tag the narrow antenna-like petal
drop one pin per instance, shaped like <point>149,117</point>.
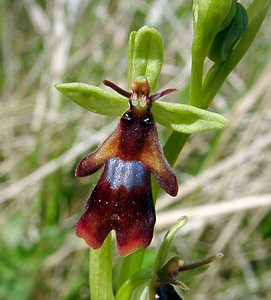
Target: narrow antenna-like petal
<point>116,88</point>
<point>161,94</point>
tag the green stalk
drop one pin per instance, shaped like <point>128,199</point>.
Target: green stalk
<point>196,77</point>
<point>100,272</point>
<point>172,149</point>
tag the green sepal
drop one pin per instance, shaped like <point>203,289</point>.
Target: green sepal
<point>94,99</point>
<point>131,284</point>
<point>187,118</point>
<point>145,57</point>
<point>169,273</point>
<point>131,50</point>
<point>162,254</point>
<point>229,17</point>
<point>179,117</point>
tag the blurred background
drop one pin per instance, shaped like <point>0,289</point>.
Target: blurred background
<point>225,177</point>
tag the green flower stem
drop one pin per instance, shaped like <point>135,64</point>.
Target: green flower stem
<point>100,272</point>
<point>196,77</point>
<point>174,146</point>
<point>172,149</point>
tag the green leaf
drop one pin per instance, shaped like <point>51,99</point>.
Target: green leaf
<point>163,250</point>
<point>131,266</point>
<point>145,55</point>
<point>187,118</point>
<point>100,272</point>
<point>142,293</point>
<point>127,289</point>
<point>94,98</point>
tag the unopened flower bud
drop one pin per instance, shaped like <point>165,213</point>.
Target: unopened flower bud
<point>209,17</point>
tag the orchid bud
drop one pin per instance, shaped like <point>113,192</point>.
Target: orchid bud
<point>209,17</point>
<point>227,38</point>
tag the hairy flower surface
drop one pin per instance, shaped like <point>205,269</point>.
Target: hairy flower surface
<point>122,199</point>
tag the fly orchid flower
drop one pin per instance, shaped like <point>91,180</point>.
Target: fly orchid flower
<point>122,199</point>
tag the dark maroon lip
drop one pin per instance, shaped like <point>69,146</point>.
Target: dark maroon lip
<point>122,199</point>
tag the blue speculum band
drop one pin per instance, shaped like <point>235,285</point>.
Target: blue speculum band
<point>129,174</point>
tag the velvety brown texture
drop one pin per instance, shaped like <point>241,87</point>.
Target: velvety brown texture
<point>122,199</point>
